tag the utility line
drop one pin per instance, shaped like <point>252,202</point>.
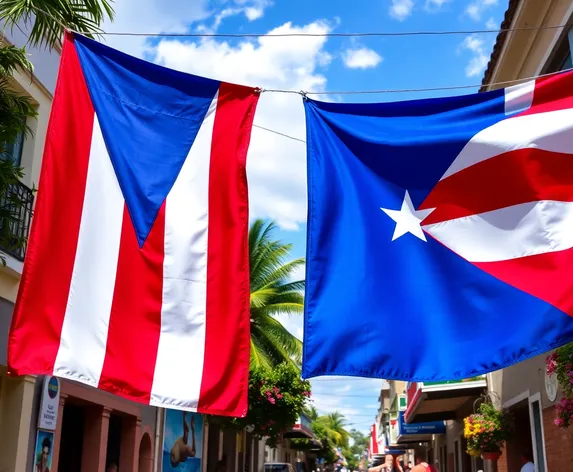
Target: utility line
<point>328,35</point>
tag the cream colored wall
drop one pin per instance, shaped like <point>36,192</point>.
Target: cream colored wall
<point>526,52</point>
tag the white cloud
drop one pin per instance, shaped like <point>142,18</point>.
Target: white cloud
<point>480,57</point>
<point>253,13</point>
<point>401,9</point>
<point>335,393</point>
<point>361,58</point>
<point>476,9</point>
<point>276,166</point>
<point>491,24</point>
<point>173,16</point>
<point>434,5</point>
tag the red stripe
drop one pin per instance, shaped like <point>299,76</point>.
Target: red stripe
<point>38,317</point>
<point>227,336</point>
<point>520,176</point>
<point>551,93</point>
<point>546,276</point>
<point>135,319</point>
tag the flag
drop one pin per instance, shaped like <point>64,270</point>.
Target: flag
<point>373,447</point>
<point>136,278</point>
<point>440,233</point>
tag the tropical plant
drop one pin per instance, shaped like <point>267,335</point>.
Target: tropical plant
<point>277,397</point>
<point>15,108</point>
<point>487,430</point>
<point>273,292</point>
<point>335,424</point>
<point>49,17</point>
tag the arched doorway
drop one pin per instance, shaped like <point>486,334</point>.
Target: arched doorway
<point>145,454</point>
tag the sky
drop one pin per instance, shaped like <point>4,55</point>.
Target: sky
<point>276,166</point>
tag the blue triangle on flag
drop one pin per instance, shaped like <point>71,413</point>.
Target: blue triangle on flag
<point>149,116</point>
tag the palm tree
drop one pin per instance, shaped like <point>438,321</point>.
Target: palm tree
<point>48,17</point>
<point>311,412</point>
<point>335,424</point>
<point>273,292</point>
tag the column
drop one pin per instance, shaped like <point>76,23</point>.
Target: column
<point>96,429</point>
<point>58,432</point>
<point>16,403</point>
<point>129,447</point>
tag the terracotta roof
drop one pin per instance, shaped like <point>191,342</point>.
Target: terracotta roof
<point>499,42</point>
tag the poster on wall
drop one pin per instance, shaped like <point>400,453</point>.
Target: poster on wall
<point>43,451</point>
<point>182,441</point>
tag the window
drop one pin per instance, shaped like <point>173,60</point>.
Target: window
<point>13,152</point>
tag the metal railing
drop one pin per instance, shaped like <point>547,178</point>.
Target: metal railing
<point>17,202</point>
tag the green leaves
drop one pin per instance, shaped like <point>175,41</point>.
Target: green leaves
<point>273,292</point>
<point>49,17</point>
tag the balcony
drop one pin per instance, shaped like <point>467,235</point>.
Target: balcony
<point>439,401</point>
<point>15,229</point>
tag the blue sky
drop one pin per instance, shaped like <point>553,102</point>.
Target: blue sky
<point>276,165</point>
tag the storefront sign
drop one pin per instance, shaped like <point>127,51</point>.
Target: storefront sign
<point>432,427</point>
<point>48,416</point>
<point>551,386</point>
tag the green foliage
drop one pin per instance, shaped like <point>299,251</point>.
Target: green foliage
<point>488,429</point>
<point>272,293</point>
<point>15,108</point>
<point>48,17</point>
<point>277,397</point>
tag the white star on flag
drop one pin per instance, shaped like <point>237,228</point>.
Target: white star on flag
<point>408,219</point>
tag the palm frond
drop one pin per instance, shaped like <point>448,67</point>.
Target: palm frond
<point>49,17</point>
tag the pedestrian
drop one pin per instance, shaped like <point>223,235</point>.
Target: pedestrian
<point>422,465</point>
<point>527,462</point>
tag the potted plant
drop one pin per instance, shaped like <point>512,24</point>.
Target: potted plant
<point>560,364</point>
<point>487,430</point>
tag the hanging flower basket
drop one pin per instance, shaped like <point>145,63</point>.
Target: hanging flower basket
<point>487,430</point>
<point>491,456</point>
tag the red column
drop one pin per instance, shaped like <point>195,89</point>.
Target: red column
<point>129,448</point>
<point>58,432</point>
<point>96,429</point>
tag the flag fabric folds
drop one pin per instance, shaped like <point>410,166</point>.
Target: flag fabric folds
<point>136,278</point>
<point>440,233</point>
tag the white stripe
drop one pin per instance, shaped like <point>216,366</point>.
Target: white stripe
<point>550,131</point>
<point>519,97</point>
<point>179,366</point>
<point>521,230</point>
<point>86,322</point>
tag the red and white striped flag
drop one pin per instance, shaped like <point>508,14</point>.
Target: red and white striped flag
<point>136,279</point>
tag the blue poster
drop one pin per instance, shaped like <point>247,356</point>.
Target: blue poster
<point>43,451</point>
<point>182,441</point>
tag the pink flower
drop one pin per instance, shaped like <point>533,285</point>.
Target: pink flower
<point>558,422</point>
<point>276,390</point>
<point>272,400</point>
<point>279,396</point>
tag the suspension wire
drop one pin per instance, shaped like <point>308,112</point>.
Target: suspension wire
<point>328,35</point>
